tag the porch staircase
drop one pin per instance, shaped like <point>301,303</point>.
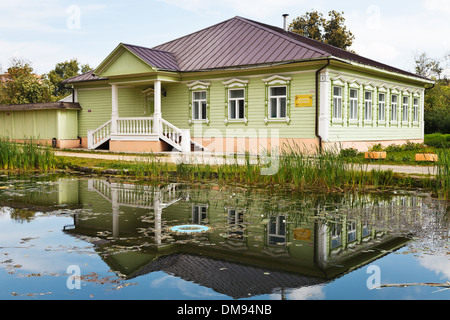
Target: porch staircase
<point>138,128</point>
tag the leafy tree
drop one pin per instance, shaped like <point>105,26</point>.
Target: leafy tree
<point>65,70</point>
<point>332,31</point>
<point>24,86</point>
<point>437,97</point>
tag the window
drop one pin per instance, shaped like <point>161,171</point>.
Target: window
<point>381,107</point>
<point>236,103</point>
<point>277,230</point>
<point>405,109</point>
<point>368,105</point>
<point>277,102</point>
<point>416,110</point>
<point>353,104</point>
<point>394,110</point>
<point>199,214</point>
<point>337,102</point>
<point>199,105</point>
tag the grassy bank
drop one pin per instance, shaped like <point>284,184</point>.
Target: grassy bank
<point>294,169</point>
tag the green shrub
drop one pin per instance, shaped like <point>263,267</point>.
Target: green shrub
<point>349,153</point>
<point>438,140</point>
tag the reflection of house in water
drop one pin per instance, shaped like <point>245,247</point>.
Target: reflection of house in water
<point>255,245</point>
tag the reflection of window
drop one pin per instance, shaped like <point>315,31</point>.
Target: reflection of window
<point>199,214</point>
<point>335,235</point>
<point>277,230</point>
<point>351,231</point>
<point>236,224</point>
<point>365,230</point>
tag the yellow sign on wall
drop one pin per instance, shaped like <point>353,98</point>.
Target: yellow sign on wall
<point>302,234</point>
<point>305,100</point>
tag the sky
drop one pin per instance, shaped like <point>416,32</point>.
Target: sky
<point>46,32</point>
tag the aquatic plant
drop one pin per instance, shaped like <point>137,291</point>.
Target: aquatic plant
<point>26,156</point>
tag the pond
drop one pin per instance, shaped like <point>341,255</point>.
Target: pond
<point>76,238</point>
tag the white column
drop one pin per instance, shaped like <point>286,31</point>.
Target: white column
<point>324,113</point>
<point>115,107</point>
<point>157,113</point>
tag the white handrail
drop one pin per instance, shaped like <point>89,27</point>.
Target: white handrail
<point>99,135</point>
<point>178,138</point>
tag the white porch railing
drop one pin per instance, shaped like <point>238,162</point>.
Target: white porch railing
<point>99,136</point>
<point>178,138</point>
<point>135,126</point>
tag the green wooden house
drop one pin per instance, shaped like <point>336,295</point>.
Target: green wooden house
<point>242,85</point>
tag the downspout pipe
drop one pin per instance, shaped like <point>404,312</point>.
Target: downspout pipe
<point>317,104</point>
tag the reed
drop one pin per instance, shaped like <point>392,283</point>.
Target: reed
<point>442,168</point>
<point>26,156</point>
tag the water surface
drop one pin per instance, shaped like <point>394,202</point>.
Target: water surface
<point>93,238</point>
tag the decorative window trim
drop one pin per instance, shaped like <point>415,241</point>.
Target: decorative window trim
<point>236,84</point>
<point>278,81</point>
<point>334,118</point>
<point>353,121</point>
<point>194,87</point>
<point>391,109</point>
<point>382,122</point>
<point>414,105</point>
<point>406,95</point>
<point>368,88</point>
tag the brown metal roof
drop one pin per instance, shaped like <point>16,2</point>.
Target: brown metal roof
<point>156,58</point>
<point>236,43</point>
<point>88,76</point>
<point>41,106</point>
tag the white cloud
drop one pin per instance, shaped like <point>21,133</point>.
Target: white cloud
<point>439,264</point>
<point>437,6</point>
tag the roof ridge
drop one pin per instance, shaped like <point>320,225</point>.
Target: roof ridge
<point>278,33</point>
<point>147,48</point>
<point>191,34</point>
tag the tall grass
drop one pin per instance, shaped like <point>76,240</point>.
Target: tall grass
<point>442,168</point>
<point>294,167</point>
<point>26,156</point>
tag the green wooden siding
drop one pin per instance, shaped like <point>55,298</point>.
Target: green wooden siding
<point>39,124</point>
<point>175,108</point>
<point>96,104</point>
<point>374,130</point>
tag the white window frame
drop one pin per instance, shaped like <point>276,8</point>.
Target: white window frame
<point>202,117</point>
<point>353,104</point>
<point>238,117</point>
<point>405,106</point>
<point>368,107</point>
<point>416,110</point>
<point>394,108</point>
<point>382,107</point>
<point>337,103</point>
<point>278,102</point>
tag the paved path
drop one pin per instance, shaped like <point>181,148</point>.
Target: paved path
<point>220,159</point>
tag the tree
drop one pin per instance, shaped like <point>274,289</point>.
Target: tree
<point>65,70</point>
<point>333,31</point>
<point>24,86</point>
<point>437,98</point>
